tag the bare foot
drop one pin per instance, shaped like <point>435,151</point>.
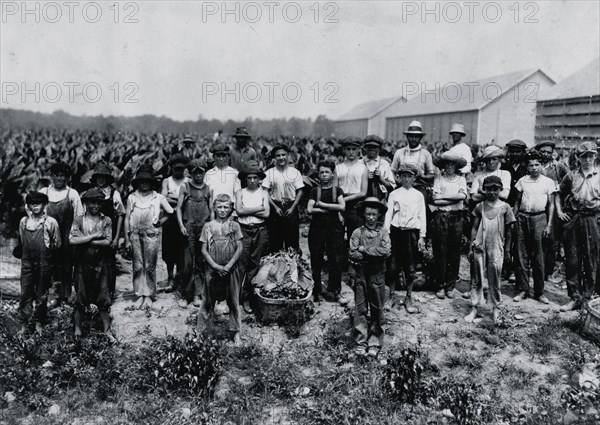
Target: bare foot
<point>77,332</point>
<point>139,302</point>
<point>39,328</point>
<point>471,316</point>
<point>496,315</point>
<point>236,339</point>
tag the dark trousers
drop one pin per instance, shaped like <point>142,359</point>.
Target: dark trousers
<point>217,288</point>
<point>529,249</point>
<point>63,271</point>
<point>330,240</point>
<point>36,279</point>
<point>255,244</point>
<point>192,263</point>
<point>352,221</point>
<point>173,244</point>
<point>405,248</point>
<point>284,231</point>
<point>92,278</point>
<point>581,239</point>
<point>551,246</point>
<point>369,297</point>
<point>446,237</point>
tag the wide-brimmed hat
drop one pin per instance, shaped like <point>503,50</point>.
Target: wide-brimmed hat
<point>143,174</point>
<point>491,152</point>
<point>36,198</point>
<point>545,143</point>
<point>516,143</point>
<point>373,140</point>
<point>219,148</point>
<point>241,133</point>
<point>586,147</point>
<point>492,181</point>
<point>351,141</point>
<point>93,194</point>
<point>415,128</point>
<point>196,164</point>
<point>441,160</point>
<point>371,202</point>
<point>458,128</point>
<point>251,167</point>
<point>407,167</point>
<point>102,170</point>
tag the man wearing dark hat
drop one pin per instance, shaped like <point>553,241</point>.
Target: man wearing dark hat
<point>172,239</point>
<point>241,152</point>
<point>285,186</point>
<point>38,237</point>
<point>369,248</point>
<point>222,178</point>
<point>113,208</point>
<point>578,209</point>
<point>92,234</point>
<point>381,178</point>
<point>64,205</point>
<point>515,166</point>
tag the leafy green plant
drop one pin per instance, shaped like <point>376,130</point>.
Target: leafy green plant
<point>404,376</point>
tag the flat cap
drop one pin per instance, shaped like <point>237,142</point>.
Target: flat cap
<point>36,198</point>
<point>586,147</point>
<point>373,140</point>
<point>407,167</point>
<point>219,148</point>
<point>351,141</point>
<point>517,143</point>
<point>493,181</point>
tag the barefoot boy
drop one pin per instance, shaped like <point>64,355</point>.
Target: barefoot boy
<point>369,248</point>
<point>38,235</point>
<point>222,247</point>
<point>490,242</point>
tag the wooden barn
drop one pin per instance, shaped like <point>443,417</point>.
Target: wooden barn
<point>368,118</point>
<point>493,110</point>
<point>570,111</point>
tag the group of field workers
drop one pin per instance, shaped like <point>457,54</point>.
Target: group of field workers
<point>375,222</point>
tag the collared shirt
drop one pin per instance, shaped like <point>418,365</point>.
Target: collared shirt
<point>376,243</point>
<point>51,231</point>
<point>581,192</point>
<point>535,193</point>
<point>385,171</point>
<point>223,181</point>
<point>443,185</point>
<point>350,176</point>
<point>464,151</point>
<point>87,225</point>
<point>504,176</point>
<point>58,195</point>
<point>239,157</point>
<point>283,185</point>
<point>406,210</point>
<point>555,170</point>
<point>418,156</point>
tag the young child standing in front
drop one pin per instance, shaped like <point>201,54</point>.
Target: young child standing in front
<point>39,236</point>
<point>222,247</point>
<point>369,248</point>
<point>490,242</point>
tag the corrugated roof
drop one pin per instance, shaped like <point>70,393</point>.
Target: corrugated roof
<point>583,83</point>
<point>368,109</point>
<point>473,95</point>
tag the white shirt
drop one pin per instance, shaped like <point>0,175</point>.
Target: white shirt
<point>535,192</point>
<point>283,185</point>
<point>504,176</point>
<point>222,181</point>
<point>350,176</point>
<point>251,200</point>
<point>463,151</point>
<point>174,187</point>
<point>58,195</point>
<point>442,185</point>
<point>406,210</point>
<point>385,170</point>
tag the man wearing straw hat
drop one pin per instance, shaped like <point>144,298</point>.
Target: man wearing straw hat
<point>416,154</point>
<point>460,148</point>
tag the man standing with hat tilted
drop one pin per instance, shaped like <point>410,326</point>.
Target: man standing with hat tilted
<point>241,152</point>
<point>459,148</point>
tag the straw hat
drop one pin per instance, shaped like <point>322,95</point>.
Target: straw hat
<point>492,152</point>
<point>449,157</point>
<point>415,128</point>
<point>458,128</point>
<point>372,202</point>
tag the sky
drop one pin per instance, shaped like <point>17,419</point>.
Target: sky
<point>273,59</point>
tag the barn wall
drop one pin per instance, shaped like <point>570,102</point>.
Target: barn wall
<point>513,115</point>
<point>568,119</point>
<point>436,126</point>
<point>377,123</point>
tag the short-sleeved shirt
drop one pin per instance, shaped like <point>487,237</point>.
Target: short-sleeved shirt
<point>283,185</point>
<point>86,225</point>
<point>350,176</point>
<point>223,181</point>
<point>221,239</point>
<point>443,185</point>
<point>328,218</point>
<point>581,192</point>
<point>503,209</point>
<point>535,193</point>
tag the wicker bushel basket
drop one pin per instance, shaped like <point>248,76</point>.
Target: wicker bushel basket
<point>10,288</point>
<point>282,311</point>
<point>591,324</point>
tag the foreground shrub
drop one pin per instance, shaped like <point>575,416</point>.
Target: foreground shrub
<point>404,377</point>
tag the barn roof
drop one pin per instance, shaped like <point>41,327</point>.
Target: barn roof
<point>369,109</point>
<point>583,83</point>
<point>473,95</point>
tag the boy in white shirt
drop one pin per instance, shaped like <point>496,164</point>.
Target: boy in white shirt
<point>534,210</point>
<point>406,222</point>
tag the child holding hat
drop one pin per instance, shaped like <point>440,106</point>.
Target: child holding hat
<point>38,237</point>
<point>369,248</point>
<point>490,242</point>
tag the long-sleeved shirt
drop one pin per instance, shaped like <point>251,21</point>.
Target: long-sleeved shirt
<point>376,243</point>
<point>581,192</point>
<point>406,210</point>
